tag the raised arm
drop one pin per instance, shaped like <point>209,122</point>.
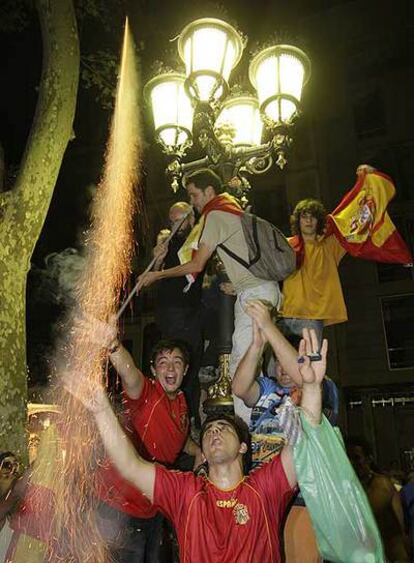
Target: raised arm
<point>244,384</point>
<point>132,378</point>
<point>312,374</point>
<point>105,335</point>
<point>284,351</point>
<point>194,266</point>
<point>129,463</point>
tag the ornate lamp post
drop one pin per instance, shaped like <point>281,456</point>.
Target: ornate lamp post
<point>197,107</point>
<point>229,131</point>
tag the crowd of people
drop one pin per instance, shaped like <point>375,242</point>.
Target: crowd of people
<point>241,503</point>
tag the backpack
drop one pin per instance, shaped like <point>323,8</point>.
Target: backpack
<point>270,255</point>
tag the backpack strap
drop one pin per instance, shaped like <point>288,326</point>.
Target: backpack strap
<point>257,256</point>
<point>275,239</point>
<point>234,256</point>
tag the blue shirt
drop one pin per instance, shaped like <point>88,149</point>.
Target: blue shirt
<point>267,434</point>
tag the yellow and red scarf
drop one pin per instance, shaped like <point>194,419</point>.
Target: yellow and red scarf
<point>223,202</point>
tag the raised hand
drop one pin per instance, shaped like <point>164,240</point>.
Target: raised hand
<point>101,333</point>
<point>312,372</point>
<point>92,395</point>
<point>259,312</point>
<point>364,169</point>
<point>259,339</point>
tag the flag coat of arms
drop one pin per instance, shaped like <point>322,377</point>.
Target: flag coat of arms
<point>362,225</point>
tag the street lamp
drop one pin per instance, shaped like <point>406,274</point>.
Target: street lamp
<point>195,107</point>
<point>172,112</point>
<point>279,73</point>
<point>242,115</point>
<point>210,49</point>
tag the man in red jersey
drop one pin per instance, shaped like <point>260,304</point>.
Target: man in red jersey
<point>227,517</point>
<point>156,421</point>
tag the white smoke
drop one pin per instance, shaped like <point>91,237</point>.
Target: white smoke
<point>55,283</point>
<point>65,268</point>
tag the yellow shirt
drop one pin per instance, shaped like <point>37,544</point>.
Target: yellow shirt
<point>314,291</point>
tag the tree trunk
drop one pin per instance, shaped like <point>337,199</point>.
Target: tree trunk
<point>23,210</point>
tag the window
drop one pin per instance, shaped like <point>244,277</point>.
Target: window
<point>398,319</point>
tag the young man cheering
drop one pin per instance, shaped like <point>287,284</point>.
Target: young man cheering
<point>156,420</point>
<point>226,517</point>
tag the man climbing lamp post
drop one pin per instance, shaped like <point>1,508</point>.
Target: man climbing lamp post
<point>199,108</point>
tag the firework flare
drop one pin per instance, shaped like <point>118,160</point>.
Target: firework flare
<point>74,537</point>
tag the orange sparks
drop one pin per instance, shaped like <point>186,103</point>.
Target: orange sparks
<point>73,533</point>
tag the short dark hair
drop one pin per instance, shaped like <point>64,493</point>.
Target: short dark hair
<point>242,432</point>
<point>204,178</point>
<point>312,206</point>
<point>170,344</point>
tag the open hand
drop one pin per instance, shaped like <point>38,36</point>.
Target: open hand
<point>312,372</point>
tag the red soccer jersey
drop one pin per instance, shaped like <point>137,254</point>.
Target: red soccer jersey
<point>240,525</point>
<point>159,428</point>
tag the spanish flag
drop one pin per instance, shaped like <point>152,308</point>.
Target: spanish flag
<point>362,225</point>
<point>223,202</point>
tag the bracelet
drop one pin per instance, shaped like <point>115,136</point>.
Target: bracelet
<point>114,347</point>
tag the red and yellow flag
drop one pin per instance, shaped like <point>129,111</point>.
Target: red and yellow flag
<point>362,225</point>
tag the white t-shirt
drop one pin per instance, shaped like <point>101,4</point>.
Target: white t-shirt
<point>225,228</point>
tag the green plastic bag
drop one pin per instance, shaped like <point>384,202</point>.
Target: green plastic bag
<point>344,525</point>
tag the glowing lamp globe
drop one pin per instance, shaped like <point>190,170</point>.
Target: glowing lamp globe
<point>243,114</point>
<point>279,73</point>
<point>172,110</point>
<point>210,49</point>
